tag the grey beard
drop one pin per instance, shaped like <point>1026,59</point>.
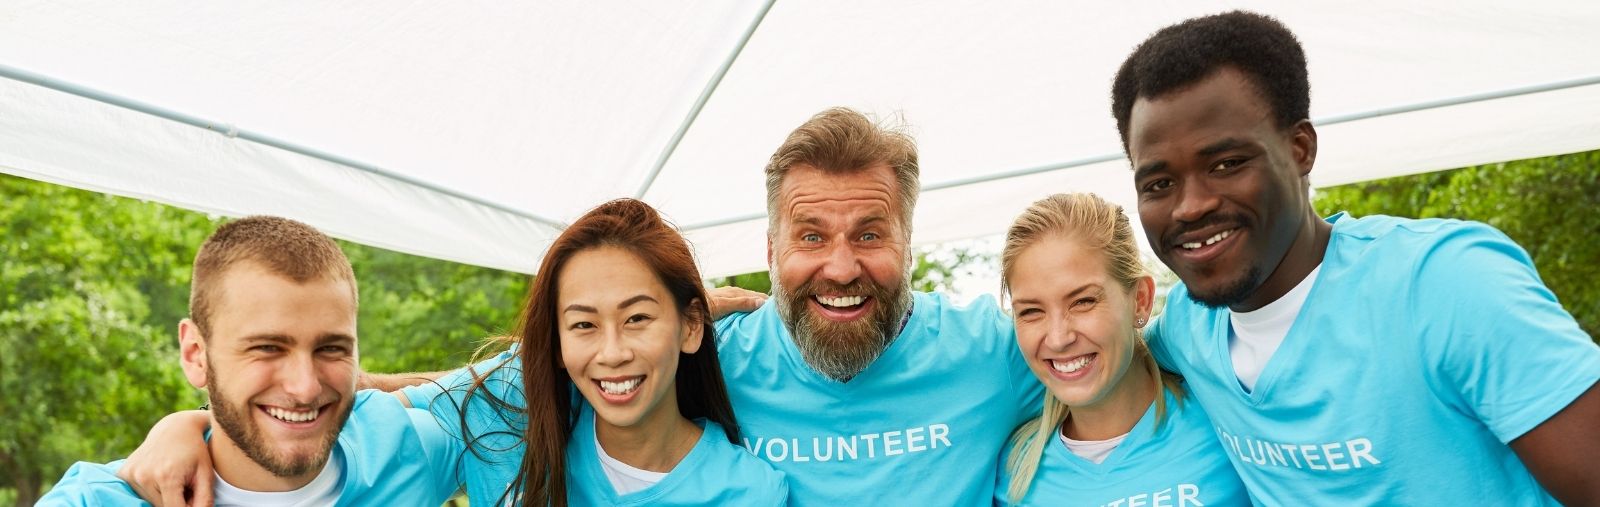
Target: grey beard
<point>841,351</point>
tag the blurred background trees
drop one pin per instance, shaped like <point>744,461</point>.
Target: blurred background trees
<point>92,288</point>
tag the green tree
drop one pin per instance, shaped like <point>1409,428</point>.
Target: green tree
<point>86,337</point>
<point>1548,205</point>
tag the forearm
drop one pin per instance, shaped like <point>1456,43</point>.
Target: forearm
<point>391,382</point>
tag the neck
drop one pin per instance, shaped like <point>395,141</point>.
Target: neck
<point>657,443</point>
<point>238,469</point>
<point>1118,412</point>
<point>1304,255</point>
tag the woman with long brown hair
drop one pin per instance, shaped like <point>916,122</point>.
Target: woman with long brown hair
<point>618,316</point>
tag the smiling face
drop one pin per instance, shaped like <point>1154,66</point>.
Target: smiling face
<point>839,255</point>
<point>280,367</point>
<point>621,335</point>
<point>1223,190</point>
<point>1075,323</point>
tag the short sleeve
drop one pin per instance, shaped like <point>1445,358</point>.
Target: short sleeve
<point>1160,346</point>
<point>1029,392</point>
<point>1495,342</point>
<point>442,450</point>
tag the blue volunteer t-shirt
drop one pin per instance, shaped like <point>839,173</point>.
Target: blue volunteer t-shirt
<point>1424,347</point>
<point>715,472</point>
<point>1178,464</point>
<point>488,469</point>
<point>922,425</point>
<point>392,456</point>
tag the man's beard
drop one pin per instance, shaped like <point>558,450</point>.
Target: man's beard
<point>1230,293</point>
<point>237,423</point>
<point>841,350</point>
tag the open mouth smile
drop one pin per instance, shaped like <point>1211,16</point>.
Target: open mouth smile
<point>842,308</point>
<point>619,390</point>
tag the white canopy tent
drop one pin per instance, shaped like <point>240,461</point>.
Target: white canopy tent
<point>470,131</point>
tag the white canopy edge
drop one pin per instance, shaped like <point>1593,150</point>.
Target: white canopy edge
<point>67,139</point>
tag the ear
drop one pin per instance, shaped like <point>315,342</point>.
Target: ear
<point>1144,298</point>
<point>1304,145</point>
<point>192,353</point>
<point>693,329</point>
<point>769,249</point>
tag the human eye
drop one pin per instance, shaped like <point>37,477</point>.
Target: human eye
<point>581,325</point>
<point>266,349</point>
<point>811,237</point>
<point>638,318</point>
<point>1028,313</point>
<point>870,236</point>
<point>334,350</point>
<point>1156,185</point>
<point>1228,164</point>
<point>1084,303</point>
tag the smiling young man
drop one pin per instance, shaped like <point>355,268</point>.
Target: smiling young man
<point>272,340</point>
<point>861,390</point>
<point>1345,360</point>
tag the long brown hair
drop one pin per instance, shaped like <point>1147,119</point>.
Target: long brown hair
<point>634,227</point>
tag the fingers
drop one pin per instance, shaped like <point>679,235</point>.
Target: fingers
<point>203,476</point>
<point>726,300</point>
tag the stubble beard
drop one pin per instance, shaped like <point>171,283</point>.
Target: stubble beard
<point>235,421</point>
<point>842,350</point>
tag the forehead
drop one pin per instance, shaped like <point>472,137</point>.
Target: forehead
<point>807,191</point>
<point>1056,263</point>
<point>1223,104</point>
<point>252,300</point>
<point>606,274</point>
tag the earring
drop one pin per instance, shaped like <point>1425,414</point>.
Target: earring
<point>1139,323</point>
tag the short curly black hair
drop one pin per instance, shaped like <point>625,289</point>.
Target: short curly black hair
<point>1181,55</point>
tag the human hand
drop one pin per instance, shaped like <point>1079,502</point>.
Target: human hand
<point>172,468</point>
<point>730,299</point>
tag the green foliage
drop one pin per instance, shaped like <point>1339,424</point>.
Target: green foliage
<point>1548,205</point>
<point>93,287</point>
<point>420,314</point>
<point>86,337</point>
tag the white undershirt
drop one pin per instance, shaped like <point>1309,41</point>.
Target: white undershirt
<point>321,491</point>
<point>624,477</point>
<point>1256,335</point>
<point>1093,450</point>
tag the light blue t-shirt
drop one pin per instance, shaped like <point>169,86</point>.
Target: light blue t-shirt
<point>1178,464</point>
<point>392,456</point>
<point>715,472</point>
<point>1423,349</point>
<point>922,425</point>
<point>487,468</point>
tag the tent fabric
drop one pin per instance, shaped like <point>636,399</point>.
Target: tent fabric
<point>469,131</point>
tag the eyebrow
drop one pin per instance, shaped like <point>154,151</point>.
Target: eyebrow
<point>1075,292</point>
<point>335,338</point>
<point>1221,146</point>
<point>1142,171</point>
<point>624,304</point>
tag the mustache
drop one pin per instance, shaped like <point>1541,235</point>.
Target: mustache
<point>1215,219</point>
<point>858,287</point>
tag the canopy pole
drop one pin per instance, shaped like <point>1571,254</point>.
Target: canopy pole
<point>230,130</point>
<point>1324,121</point>
<point>700,102</point>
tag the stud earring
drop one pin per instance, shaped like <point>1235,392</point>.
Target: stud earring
<point>1139,323</point>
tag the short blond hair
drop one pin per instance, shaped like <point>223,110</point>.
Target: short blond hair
<point>1103,227</point>
<point>841,140</point>
<point>281,246</point>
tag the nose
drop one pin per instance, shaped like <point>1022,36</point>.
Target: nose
<point>1195,201</point>
<point>613,351</point>
<point>1060,334</point>
<point>298,378</point>
<point>842,265</point>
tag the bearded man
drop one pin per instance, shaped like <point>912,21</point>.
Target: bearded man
<point>861,390</point>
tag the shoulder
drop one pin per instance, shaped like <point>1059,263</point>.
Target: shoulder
<point>1388,236</point>
<point>744,474</point>
<point>748,327</point>
<point>935,313</point>
<point>91,484</point>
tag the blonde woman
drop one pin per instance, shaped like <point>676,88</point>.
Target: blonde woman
<point>1115,430</point>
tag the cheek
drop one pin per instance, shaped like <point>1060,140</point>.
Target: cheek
<point>887,266</point>
<point>573,355</point>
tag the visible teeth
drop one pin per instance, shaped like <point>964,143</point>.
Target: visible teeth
<point>623,387</point>
<point>292,416</point>
<point>1070,366</point>
<point>1211,240</point>
<point>841,301</point>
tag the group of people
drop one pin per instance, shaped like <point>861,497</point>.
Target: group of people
<point>1301,360</point>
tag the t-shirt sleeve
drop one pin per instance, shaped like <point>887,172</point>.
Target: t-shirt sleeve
<point>444,397</point>
<point>1160,345</point>
<point>443,451</point>
<point>87,484</point>
<point>1029,392</point>
<point>1496,342</point>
